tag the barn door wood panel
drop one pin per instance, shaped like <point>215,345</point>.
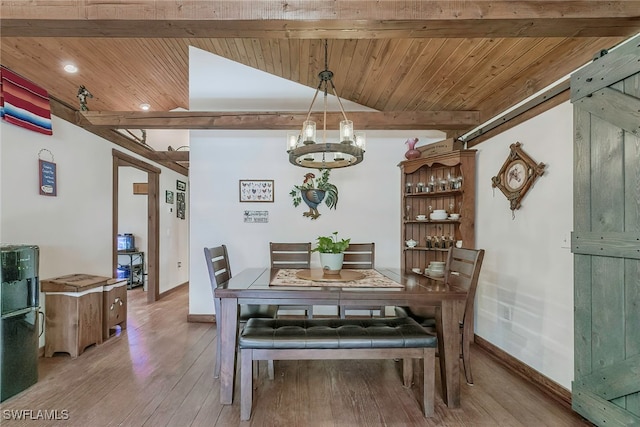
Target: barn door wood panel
<point>606,238</point>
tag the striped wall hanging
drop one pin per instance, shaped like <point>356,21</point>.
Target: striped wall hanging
<point>24,103</point>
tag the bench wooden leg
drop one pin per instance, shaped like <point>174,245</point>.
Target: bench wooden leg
<point>429,381</point>
<point>246,383</point>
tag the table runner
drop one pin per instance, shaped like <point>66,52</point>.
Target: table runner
<point>372,279</point>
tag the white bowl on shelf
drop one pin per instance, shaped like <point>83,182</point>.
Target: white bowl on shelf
<point>435,215</point>
<point>454,216</point>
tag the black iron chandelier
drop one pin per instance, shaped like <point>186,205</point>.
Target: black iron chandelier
<point>306,152</point>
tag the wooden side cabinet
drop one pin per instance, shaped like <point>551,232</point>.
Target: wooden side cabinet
<point>114,308</point>
<point>73,313</point>
<point>438,182</point>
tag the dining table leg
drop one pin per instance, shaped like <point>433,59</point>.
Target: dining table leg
<point>228,335</point>
<point>448,330</point>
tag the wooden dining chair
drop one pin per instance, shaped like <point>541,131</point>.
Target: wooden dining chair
<point>360,256</point>
<point>462,269</point>
<point>217,259</point>
<point>296,256</point>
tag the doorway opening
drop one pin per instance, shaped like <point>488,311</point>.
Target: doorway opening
<point>153,219</point>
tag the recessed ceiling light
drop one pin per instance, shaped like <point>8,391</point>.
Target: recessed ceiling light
<point>145,107</point>
<point>70,68</point>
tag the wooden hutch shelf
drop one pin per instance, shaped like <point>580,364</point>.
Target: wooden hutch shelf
<point>441,181</point>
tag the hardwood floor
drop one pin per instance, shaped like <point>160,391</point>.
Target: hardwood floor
<point>159,372</point>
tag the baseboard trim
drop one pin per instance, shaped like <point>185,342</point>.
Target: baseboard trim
<point>548,386</point>
<point>201,318</point>
<point>172,290</point>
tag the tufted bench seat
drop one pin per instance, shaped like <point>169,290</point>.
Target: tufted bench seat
<point>307,339</point>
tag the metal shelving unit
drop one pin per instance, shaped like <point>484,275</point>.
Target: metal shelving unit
<point>134,269</point>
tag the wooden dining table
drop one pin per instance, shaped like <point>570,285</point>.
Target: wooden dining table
<point>253,286</point>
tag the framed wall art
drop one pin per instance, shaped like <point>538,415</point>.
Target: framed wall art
<point>181,185</point>
<point>517,175</point>
<point>48,180</point>
<point>256,216</point>
<point>168,197</point>
<point>47,175</point>
<point>181,207</point>
<point>254,190</point>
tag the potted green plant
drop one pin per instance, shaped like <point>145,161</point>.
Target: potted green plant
<point>331,252</point>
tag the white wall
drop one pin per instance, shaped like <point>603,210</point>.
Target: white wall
<point>132,208</point>
<point>528,266</point>
<point>73,230</point>
<point>174,234</point>
<point>367,209</point>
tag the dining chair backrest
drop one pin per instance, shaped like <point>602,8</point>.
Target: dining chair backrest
<point>217,260</point>
<point>462,269</point>
<point>290,255</point>
<point>359,256</point>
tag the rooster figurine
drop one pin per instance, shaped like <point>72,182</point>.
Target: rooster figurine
<point>313,192</point>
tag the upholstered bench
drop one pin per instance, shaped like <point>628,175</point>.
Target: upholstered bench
<point>306,339</point>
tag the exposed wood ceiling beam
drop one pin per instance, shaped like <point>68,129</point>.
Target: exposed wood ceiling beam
<point>65,112</point>
<point>613,27</point>
<point>169,156</point>
<point>338,19</point>
<point>389,120</point>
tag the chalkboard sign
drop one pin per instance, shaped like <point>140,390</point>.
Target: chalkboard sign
<point>48,185</point>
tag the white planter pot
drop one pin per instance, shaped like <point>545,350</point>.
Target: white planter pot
<point>331,263</point>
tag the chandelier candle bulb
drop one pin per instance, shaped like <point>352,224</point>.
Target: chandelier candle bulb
<point>309,132</point>
<point>346,131</point>
<point>292,141</point>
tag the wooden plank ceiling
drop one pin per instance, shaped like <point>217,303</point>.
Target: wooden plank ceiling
<point>446,65</point>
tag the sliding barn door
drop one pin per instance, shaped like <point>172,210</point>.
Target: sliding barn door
<point>606,237</point>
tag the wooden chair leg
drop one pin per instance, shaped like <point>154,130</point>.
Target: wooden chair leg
<point>407,372</point>
<point>429,381</point>
<point>466,358</point>
<point>255,368</point>
<point>271,370</point>
<point>216,369</point>
<point>246,383</point>
<point>343,312</point>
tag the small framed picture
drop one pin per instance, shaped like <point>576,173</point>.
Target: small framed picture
<point>168,197</point>
<point>256,190</point>
<point>181,185</point>
<point>181,206</point>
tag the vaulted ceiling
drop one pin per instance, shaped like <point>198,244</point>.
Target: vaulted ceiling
<point>446,65</point>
